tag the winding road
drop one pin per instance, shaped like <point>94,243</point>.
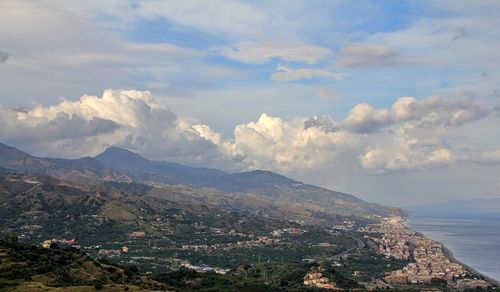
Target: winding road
<point>360,244</point>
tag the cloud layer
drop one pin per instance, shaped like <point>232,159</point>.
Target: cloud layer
<point>327,79</point>
<point>127,118</point>
<point>432,111</point>
<point>413,134</point>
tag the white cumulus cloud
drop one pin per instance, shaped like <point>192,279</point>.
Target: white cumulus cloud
<point>127,118</point>
<point>286,146</point>
<point>365,118</point>
<point>431,111</point>
<point>411,135</point>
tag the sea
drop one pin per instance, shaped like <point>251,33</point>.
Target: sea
<point>474,240</point>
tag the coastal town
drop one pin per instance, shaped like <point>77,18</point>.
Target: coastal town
<point>429,262</point>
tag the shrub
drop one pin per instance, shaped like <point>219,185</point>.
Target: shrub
<point>98,285</point>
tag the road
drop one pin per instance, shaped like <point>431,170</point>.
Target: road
<point>360,244</point>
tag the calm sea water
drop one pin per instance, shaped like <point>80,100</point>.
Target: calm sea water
<point>473,241</point>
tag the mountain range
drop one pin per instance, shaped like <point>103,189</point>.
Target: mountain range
<point>84,169</point>
<point>257,191</point>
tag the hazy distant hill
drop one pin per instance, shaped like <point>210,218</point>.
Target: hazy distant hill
<point>487,207</point>
<point>84,169</point>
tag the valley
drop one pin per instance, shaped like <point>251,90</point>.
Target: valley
<point>202,230</point>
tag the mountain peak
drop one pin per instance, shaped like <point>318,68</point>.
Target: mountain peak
<point>122,154</point>
<point>114,150</point>
<point>131,162</point>
<point>121,158</point>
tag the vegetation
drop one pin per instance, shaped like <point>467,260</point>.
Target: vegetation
<point>23,264</point>
<point>263,253</point>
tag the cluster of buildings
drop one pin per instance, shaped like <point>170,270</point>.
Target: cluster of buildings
<point>396,238</point>
<point>316,279</point>
<point>252,241</point>
<point>345,225</point>
<point>275,233</point>
<point>31,228</point>
<point>204,269</point>
<point>197,247</point>
<point>106,252</point>
<point>428,264</point>
<point>233,232</point>
<point>220,231</point>
<point>29,231</point>
<point>292,230</point>
<point>93,246</point>
<point>113,252</point>
<point>137,234</point>
<point>260,241</point>
<point>67,242</point>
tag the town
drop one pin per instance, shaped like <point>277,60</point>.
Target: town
<point>429,263</point>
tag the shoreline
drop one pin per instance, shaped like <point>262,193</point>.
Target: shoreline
<point>449,254</point>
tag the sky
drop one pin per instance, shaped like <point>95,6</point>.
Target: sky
<point>396,102</point>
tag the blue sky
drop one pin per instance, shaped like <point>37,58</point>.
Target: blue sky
<point>394,90</point>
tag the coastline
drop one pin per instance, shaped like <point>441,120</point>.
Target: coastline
<point>449,254</point>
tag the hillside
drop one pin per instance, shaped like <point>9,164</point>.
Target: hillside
<point>160,237</point>
<point>268,184</point>
<point>31,268</point>
<point>258,191</point>
<point>87,212</point>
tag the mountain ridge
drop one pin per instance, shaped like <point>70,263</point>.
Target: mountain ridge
<point>133,163</point>
<point>262,182</point>
<point>85,169</point>
<point>121,165</point>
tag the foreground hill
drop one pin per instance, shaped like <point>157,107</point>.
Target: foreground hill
<point>31,268</point>
<point>26,267</point>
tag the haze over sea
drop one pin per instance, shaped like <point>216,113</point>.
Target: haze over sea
<point>473,239</point>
